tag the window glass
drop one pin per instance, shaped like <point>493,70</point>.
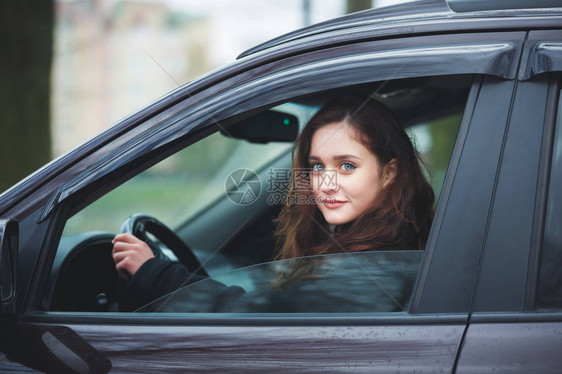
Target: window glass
<point>191,192</point>
<point>334,283</point>
<point>435,141</point>
<point>549,294</point>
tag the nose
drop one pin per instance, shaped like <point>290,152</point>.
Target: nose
<point>328,183</point>
<point>327,189</point>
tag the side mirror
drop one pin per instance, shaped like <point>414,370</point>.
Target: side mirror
<point>9,231</point>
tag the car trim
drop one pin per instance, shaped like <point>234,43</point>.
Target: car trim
<point>483,5</point>
<point>544,57</point>
<point>519,316</point>
<point>254,319</point>
<point>545,166</point>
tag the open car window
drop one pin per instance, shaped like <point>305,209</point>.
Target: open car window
<point>222,194</point>
<point>380,281</point>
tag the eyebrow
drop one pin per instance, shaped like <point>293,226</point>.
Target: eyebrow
<point>336,157</point>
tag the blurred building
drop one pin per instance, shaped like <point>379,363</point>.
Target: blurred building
<point>112,58</point>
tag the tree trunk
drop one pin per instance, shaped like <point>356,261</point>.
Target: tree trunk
<point>26,37</point>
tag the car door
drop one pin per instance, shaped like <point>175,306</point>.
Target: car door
<point>424,337</point>
<point>516,323</point>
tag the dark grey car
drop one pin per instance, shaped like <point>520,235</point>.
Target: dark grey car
<point>479,91</point>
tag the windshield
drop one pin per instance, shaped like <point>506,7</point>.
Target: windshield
<point>379,281</point>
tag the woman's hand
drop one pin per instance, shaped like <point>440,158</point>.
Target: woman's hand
<point>129,253</point>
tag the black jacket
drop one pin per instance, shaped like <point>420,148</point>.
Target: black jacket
<point>154,279</point>
<point>363,282</point>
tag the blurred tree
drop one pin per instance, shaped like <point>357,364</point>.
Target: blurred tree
<point>26,37</point>
<point>357,5</point>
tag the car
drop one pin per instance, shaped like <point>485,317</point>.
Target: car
<point>203,172</point>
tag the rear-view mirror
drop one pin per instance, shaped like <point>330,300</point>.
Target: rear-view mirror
<point>265,127</point>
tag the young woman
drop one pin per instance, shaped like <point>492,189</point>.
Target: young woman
<point>367,189</point>
<point>364,190</point>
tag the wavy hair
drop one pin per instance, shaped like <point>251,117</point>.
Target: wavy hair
<point>402,213</point>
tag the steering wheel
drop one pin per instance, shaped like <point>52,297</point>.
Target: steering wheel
<point>139,225</point>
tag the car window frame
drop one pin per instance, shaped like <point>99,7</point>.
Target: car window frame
<point>506,248</point>
<point>162,147</point>
<point>520,303</point>
<point>539,220</point>
<point>532,51</point>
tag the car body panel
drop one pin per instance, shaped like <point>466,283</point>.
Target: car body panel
<point>511,348</point>
<point>288,348</point>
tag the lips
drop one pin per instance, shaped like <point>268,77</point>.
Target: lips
<point>332,203</point>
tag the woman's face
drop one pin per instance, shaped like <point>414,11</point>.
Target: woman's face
<point>346,177</point>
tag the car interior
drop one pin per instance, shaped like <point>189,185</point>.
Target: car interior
<point>189,194</point>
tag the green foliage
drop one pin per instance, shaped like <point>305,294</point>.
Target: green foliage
<point>213,151</point>
<point>166,190</point>
<point>443,133</point>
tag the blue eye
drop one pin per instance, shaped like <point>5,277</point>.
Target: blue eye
<point>347,166</point>
<point>317,167</point>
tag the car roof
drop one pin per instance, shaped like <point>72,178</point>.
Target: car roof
<point>422,16</point>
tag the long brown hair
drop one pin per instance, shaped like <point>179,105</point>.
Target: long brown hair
<point>401,215</point>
